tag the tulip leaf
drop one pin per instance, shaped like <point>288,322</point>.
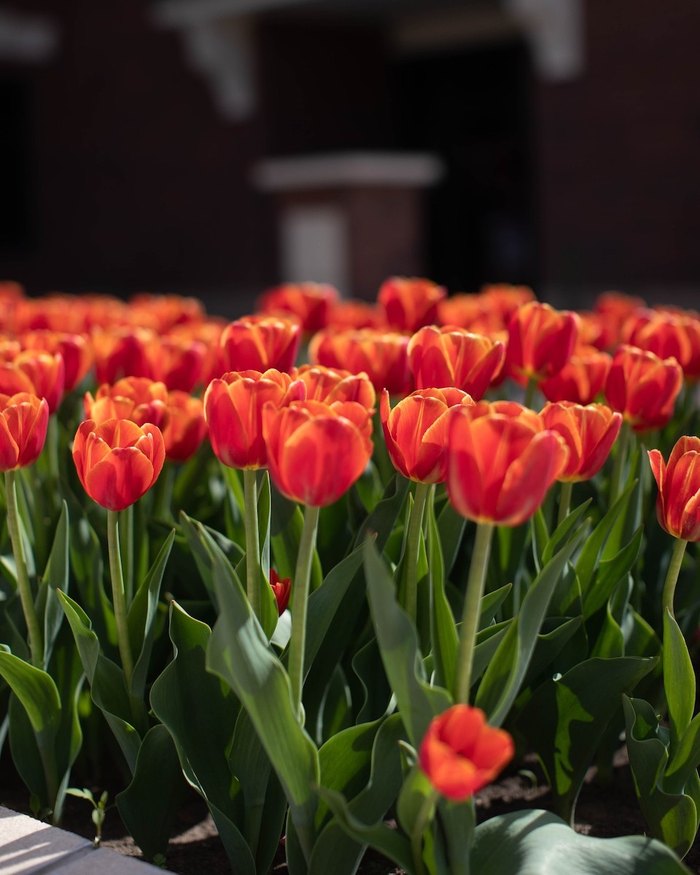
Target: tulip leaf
<point>36,690</point>
<point>444,640</point>
<point>504,676</point>
<point>417,702</point>
<point>555,633</point>
<point>149,804</point>
<point>609,572</point>
<point>381,522</point>
<point>563,530</point>
<point>679,678</point>
<point>415,790</point>
<point>142,615</point>
<point>540,843</point>
<point>199,552</point>
<point>451,526</point>
<point>591,553</point>
<point>686,758</point>
<point>567,716</point>
<point>491,603</point>
<point>56,576</point>
<point>540,537</point>
<point>487,643</point>
<point>670,816</point>
<point>239,653</point>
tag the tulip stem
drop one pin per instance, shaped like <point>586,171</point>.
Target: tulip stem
<point>619,465</point>
<point>425,813</point>
<point>300,596</point>
<point>674,567</point>
<point>119,596</point>
<point>36,647</point>
<point>472,611</point>
<point>415,524</point>
<point>530,391</point>
<point>564,501</point>
<point>252,539</point>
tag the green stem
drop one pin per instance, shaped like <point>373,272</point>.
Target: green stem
<point>564,501</point>
<point>530,392</point>
<point>31,618</point>
<point>415,524</point>
<point>119,596</point>
<point>425,813</point>
<point>619,464</point>
<point>472,610</point>
<point>126,547</point>
<point>252,539</point>
<point>300,596</point>
<point>674,567</point>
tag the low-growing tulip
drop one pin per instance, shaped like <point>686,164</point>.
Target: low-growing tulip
<point>409,303</point>
<point>460,753</point>
<point>75,350</point>
<point>186,427</point>
<point>382,355</point>
<point>589,432</point>
<point>24,419</point>
<point>333,384</point>
<point>259,343</point>
<point>678,481</point>
<point>643,387</point>
<point>139,399</point>
<point>540,341</point>
<point>448,356</point>
<point>176,361</point>
<point>582,379</point>
<point>310,303</point>
<point>118,461</point>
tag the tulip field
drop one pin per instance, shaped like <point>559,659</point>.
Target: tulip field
<point>339,565</point>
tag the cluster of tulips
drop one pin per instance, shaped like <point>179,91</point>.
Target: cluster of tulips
<point>354,658</point>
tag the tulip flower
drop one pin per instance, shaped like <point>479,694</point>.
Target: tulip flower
<point>460,753</point>
<point>382,355</point>
<point>282,588</point>
<point>540,342</point>
<point>333,384</point>
<point>582,379</point>
<point>119,352</point>
<point>176,361</point>
<point>309,303</point>
<point>44,371</point>
<point>614,309</point>
<point>186,427</point>
<point>661,332</point>
<point>409,303</point>
<point>259,343</point>
<point>347,315</point>
<point>439,357</point>
<point>678,502</point>
<point>139,399</point>
<point>643,387</point>
<point>168,310</point>
<point>74,349</point>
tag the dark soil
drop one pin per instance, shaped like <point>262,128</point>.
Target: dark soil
<point>603,810</point>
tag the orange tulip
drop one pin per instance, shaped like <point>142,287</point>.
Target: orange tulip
<point>382,355</point>
<point>314,452</point>
<point>581,379</point>
<point>589,432</point>
<point>354,314</point>
<point>310,303</point>
<point>499,467</point>
<point>663,333</point>
<point>74,349</point>
<point>332,384</point>
<point>614,308</point>
<point>119,352</point>
<point>678,501</point>
<point>186,427</point>
<point>540,341</point>
<point>282,589</point>
<point>259,343</point>
<point>24,418</point>
<point>508,409</point>
<point>118,461</point>
<point>450,356</point>
<point>460,753</point>
<point>233,408</point>
<point>136,398</point>
<point>409,303</point>
<point>176,361</point>
<point>643,387</point>
<point>415,431</point>
<point>167,311</point>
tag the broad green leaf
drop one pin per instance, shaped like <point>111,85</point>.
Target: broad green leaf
<point>444,640</point>
<point>566,718</point>
<point>367,665</point>
<point>415,790</point>
<point>487,643</point>
<point>540,537</point>
<point>150,803</point>
<point>56,576</point>
<point>608,573</point>
<point>36,690</point>
<point>491,603</point>
<point>685,761</point>
<point>556,632</point>
<point>539,843</point>
<point>563,530</point>
<point>590,555</point>
<point>417,702</point>
<point>679,678</point>
<point>501,683</point>
<point>381,522</point>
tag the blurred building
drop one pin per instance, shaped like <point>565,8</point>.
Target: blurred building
<point>545,141</point>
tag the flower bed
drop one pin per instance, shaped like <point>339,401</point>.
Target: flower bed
<point>335,566</point>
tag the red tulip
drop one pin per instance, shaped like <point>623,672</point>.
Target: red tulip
<point>540,341</point>
<point>353,315</point>
<point>382,355</point>
<point>589,432</point>
<point>46,373</point>
<point>415,431</point>
<point>136,398</point>
<point>282,589</point>
<point>119,352</point>
<point>118,461</point>
<point>314,452</point>
<point>643,387</point>
<point>24,418</point>
<point>176,361</point>
<point>582,379</point>
<point>450,356</point>
<point>661,332</point>
<point>409,303</point>
<point>332,384</point>
<point>614,308</point>
<point>460,753</point>
<point>500,467</point>
<point>186,427</point>
<point>678,501</point>
<point>74,349</point>
<point>259,343</point>
<point>310,303</point>
<point>233,408</point>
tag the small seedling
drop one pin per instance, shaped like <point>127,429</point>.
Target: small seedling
<point>99,809</point>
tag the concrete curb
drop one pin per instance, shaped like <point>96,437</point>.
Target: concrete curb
<point>29,847</point>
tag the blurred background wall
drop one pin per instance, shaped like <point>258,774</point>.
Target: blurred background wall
<point>553,142</point>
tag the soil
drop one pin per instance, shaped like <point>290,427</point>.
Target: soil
<point>603,810</point>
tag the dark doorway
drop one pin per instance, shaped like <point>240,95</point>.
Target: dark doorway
<point>15,151</point>
<point>473,109</point>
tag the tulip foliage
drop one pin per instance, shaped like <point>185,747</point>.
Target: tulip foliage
<point>336,565</point>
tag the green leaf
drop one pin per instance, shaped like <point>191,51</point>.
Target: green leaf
<point>417,702</point>
<point>504,675</point>
<point>592,551</point>
<point>686,759</point>
<point>451,526</point>
<point>56,576</point>
<point>609,572</point>
<point>487,643</point>
<point>415,790</point>
<point>149,805</point>
<point>36,690</point>
<point>539,843</point>
<point>540,537</point>
<point>491,603</point>
<point>443,628</point>
<point>564,529</point>
<point>679,678</point>
<point>566,719</point>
